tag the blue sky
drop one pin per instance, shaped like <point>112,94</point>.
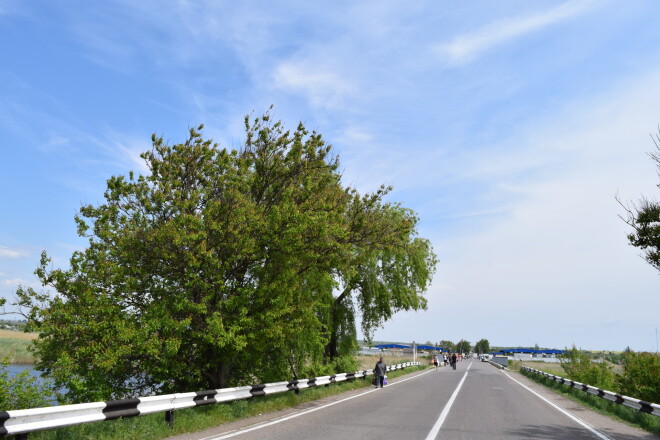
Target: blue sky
<point>509,129</point>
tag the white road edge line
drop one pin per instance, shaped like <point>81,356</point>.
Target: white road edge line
<point>443,415</point>
<point>293,416</point>
<point>562,410</point>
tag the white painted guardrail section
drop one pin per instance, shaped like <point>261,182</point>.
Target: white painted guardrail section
<point>21,422</point>
<point>640,405</point>
<point>27,420</point>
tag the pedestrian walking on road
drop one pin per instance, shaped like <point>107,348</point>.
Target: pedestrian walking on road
<point>454,358</point>
<point>435,362</point>
<point>379,372</point>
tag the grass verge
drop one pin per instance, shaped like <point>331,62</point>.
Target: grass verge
<point>647,422</point>
<point>153,426</point>
<point>16,349</point>
<point>546,367</point>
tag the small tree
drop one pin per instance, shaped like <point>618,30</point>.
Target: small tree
<point>482,346</point>
<point>448,346</point>
<point>579,367</point>
<point>463,346</point>
<point>644,218</point>
<point>641,376</point>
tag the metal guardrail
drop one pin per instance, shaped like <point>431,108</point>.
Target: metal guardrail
<point>500,366</point>
<point>23,421</point>
<point>640,405</point>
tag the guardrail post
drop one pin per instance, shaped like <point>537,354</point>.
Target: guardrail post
<point>169,418</point>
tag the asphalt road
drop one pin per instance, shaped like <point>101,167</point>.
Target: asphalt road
<point>476,401</point>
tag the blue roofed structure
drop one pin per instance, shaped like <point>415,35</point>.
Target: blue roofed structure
<point>381,346</point>
<point>532,351</point>
<point>429,347</point>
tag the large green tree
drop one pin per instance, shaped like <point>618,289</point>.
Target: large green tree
<point>463,346</point>
<point>482,346</point>
<point>387,269</point>
<point>221,267</point>
<point>644,218</point>
<point>448,345</point>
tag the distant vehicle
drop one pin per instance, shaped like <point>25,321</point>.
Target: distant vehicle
<point>485,357</point>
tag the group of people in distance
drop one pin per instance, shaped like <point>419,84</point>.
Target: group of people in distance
<point>381,368</point>
<point>449,358</point>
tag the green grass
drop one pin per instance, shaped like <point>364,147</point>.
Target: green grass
<point>647,422</point>
<point>546,367</point>
<point>153,426</point>
<point>16,350</point>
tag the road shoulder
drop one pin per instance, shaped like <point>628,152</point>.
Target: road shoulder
<point>248,422</point>
<point>607,425</point>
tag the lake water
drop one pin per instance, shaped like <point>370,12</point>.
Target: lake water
<point>14,369</point>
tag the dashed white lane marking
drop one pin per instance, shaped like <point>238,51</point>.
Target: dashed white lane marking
<point>443,415</point>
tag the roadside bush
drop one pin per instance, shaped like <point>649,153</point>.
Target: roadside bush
<point>346,364</point>
<point>22,391</point>
<point>641,376</point>
<point>579,367</point>
<point>341,364</point>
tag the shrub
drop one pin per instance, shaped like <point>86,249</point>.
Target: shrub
<point>346,364</point>
<point>22,391</point>
<point>641,376</point>
<point>579,367</point>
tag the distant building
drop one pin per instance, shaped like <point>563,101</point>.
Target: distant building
<point>530,354</point>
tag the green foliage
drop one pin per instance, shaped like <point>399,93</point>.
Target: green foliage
<point>482,346</point>
<point>387,269</point>
<point>614,358</point>
<point>644,218</point>
<point>22,391</point>
<point>463,346</point>
<point>221,268</point>
<point>346,364</point>
<point>448,345</point>
<point>16,351</point>
<point>641,376</point>
<point>579,367</point>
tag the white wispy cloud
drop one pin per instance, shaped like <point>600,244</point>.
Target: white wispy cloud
<point>321,85</point>
<point>465,48</point>
<point>6,252</point>
<point>15,282</point>
<point>60,135</point>
<point>125,149</point>
<point>559,246</point>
